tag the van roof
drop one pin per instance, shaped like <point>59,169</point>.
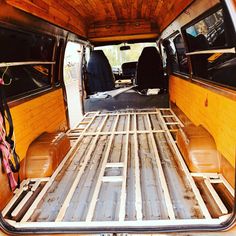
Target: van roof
<point>106,21</point>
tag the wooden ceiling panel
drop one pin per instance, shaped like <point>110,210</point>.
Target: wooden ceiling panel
<point>96,19</point>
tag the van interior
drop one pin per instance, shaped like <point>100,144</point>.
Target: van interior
<point>117,116</point>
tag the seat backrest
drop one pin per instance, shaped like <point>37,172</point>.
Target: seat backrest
<point>150,70</point>
<point>100,76</point>
<point>129,69</point>
<point>199,62</point>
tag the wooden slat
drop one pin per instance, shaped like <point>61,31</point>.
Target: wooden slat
<point>123,194</point>
<point>93,202</point>
<point>21,204</point>
<point>74,148</point>
<point>81,171</point>
<point>186,171</point>
<point>138,193</point>
<point>164,186</point>
<point>216,197</point>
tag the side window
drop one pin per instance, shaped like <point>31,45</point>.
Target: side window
<point>174,55</point>
<point>181,54</point>
<point>25,62</point>
<point>210,49</point>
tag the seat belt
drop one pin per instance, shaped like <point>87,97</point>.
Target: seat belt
<point>7,145</point>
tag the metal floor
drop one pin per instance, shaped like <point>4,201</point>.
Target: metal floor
<point>124,169</point>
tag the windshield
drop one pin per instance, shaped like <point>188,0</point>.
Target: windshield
<point>117,57</point>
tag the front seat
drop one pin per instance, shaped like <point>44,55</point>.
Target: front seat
<point>100,76</point>
<point>150,70</point>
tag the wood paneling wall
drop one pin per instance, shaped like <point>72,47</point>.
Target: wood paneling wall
<point>214,111</point>
<point>42,114</point>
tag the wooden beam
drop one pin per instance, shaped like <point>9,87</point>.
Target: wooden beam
<point>216,197</point>
<point>17,193</point>
<point>112,179</point>
<point>73,149</point>
<point>21,204</point>
<point>138,193</point>
<point>164,186</point>
<point>145,223</point>
<point>81,171</point>
<point>185,169</point>
<point>121,29</point>
<point>123,193</point>
<point>93,202</point>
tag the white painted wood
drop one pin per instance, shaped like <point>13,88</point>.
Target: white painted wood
<point>164,186</point>
<point>227,185</point>
<point>112,179</point>
<point>138,193</point>
<point>93,202</point>
<point>17,192</point>
<point>36,185</point>
<point>186,171</point>
<point>216,197</point>
<point>225,50</point>
<point>78,176</point>
<point>21,204</point>
<point>177,118</point>
<point>172,123</point>
<point>126,113</point>
<point>73,149</point>
<point>123,193</point>
<point>123,132</point>
<point>115,164</point>
<point>206,175</point>
<point>167,116</point>
<point>111,224</point>
<point>7,64</point>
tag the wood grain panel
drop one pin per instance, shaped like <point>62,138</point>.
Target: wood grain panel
<point>212,110</point>
<point>52,12</point>
<point>44,113</point>
<point>84,17</point>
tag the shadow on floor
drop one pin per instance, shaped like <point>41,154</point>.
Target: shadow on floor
<point>127,100</point>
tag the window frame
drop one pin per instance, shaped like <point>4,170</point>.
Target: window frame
<point>229,29</point>
<point>172,37</point>
<point>53,64</point>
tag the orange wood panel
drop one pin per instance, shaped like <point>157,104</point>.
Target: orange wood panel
<point>86,17</point>
<point>32,118</point>
<point>214,111</point>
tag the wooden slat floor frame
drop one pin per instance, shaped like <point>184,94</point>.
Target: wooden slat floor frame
<point>81,131</point>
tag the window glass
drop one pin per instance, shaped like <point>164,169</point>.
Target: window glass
<point>174,55</point>
<point>25,79</point>
<point>181,54</point>
<point>209,34</point>
<point>117,57</point>
<point>18,46</point>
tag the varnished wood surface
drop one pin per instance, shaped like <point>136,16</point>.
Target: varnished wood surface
<point>107,19</point>
<point>42,114</point>
<point>209,108</point>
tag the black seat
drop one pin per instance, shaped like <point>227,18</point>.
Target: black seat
<point>199,62</point>
<point>100,76</point>
<point>129,69</point>
<point>150,70</point>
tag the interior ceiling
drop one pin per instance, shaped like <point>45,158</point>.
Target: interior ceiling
<point>107,20</point>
